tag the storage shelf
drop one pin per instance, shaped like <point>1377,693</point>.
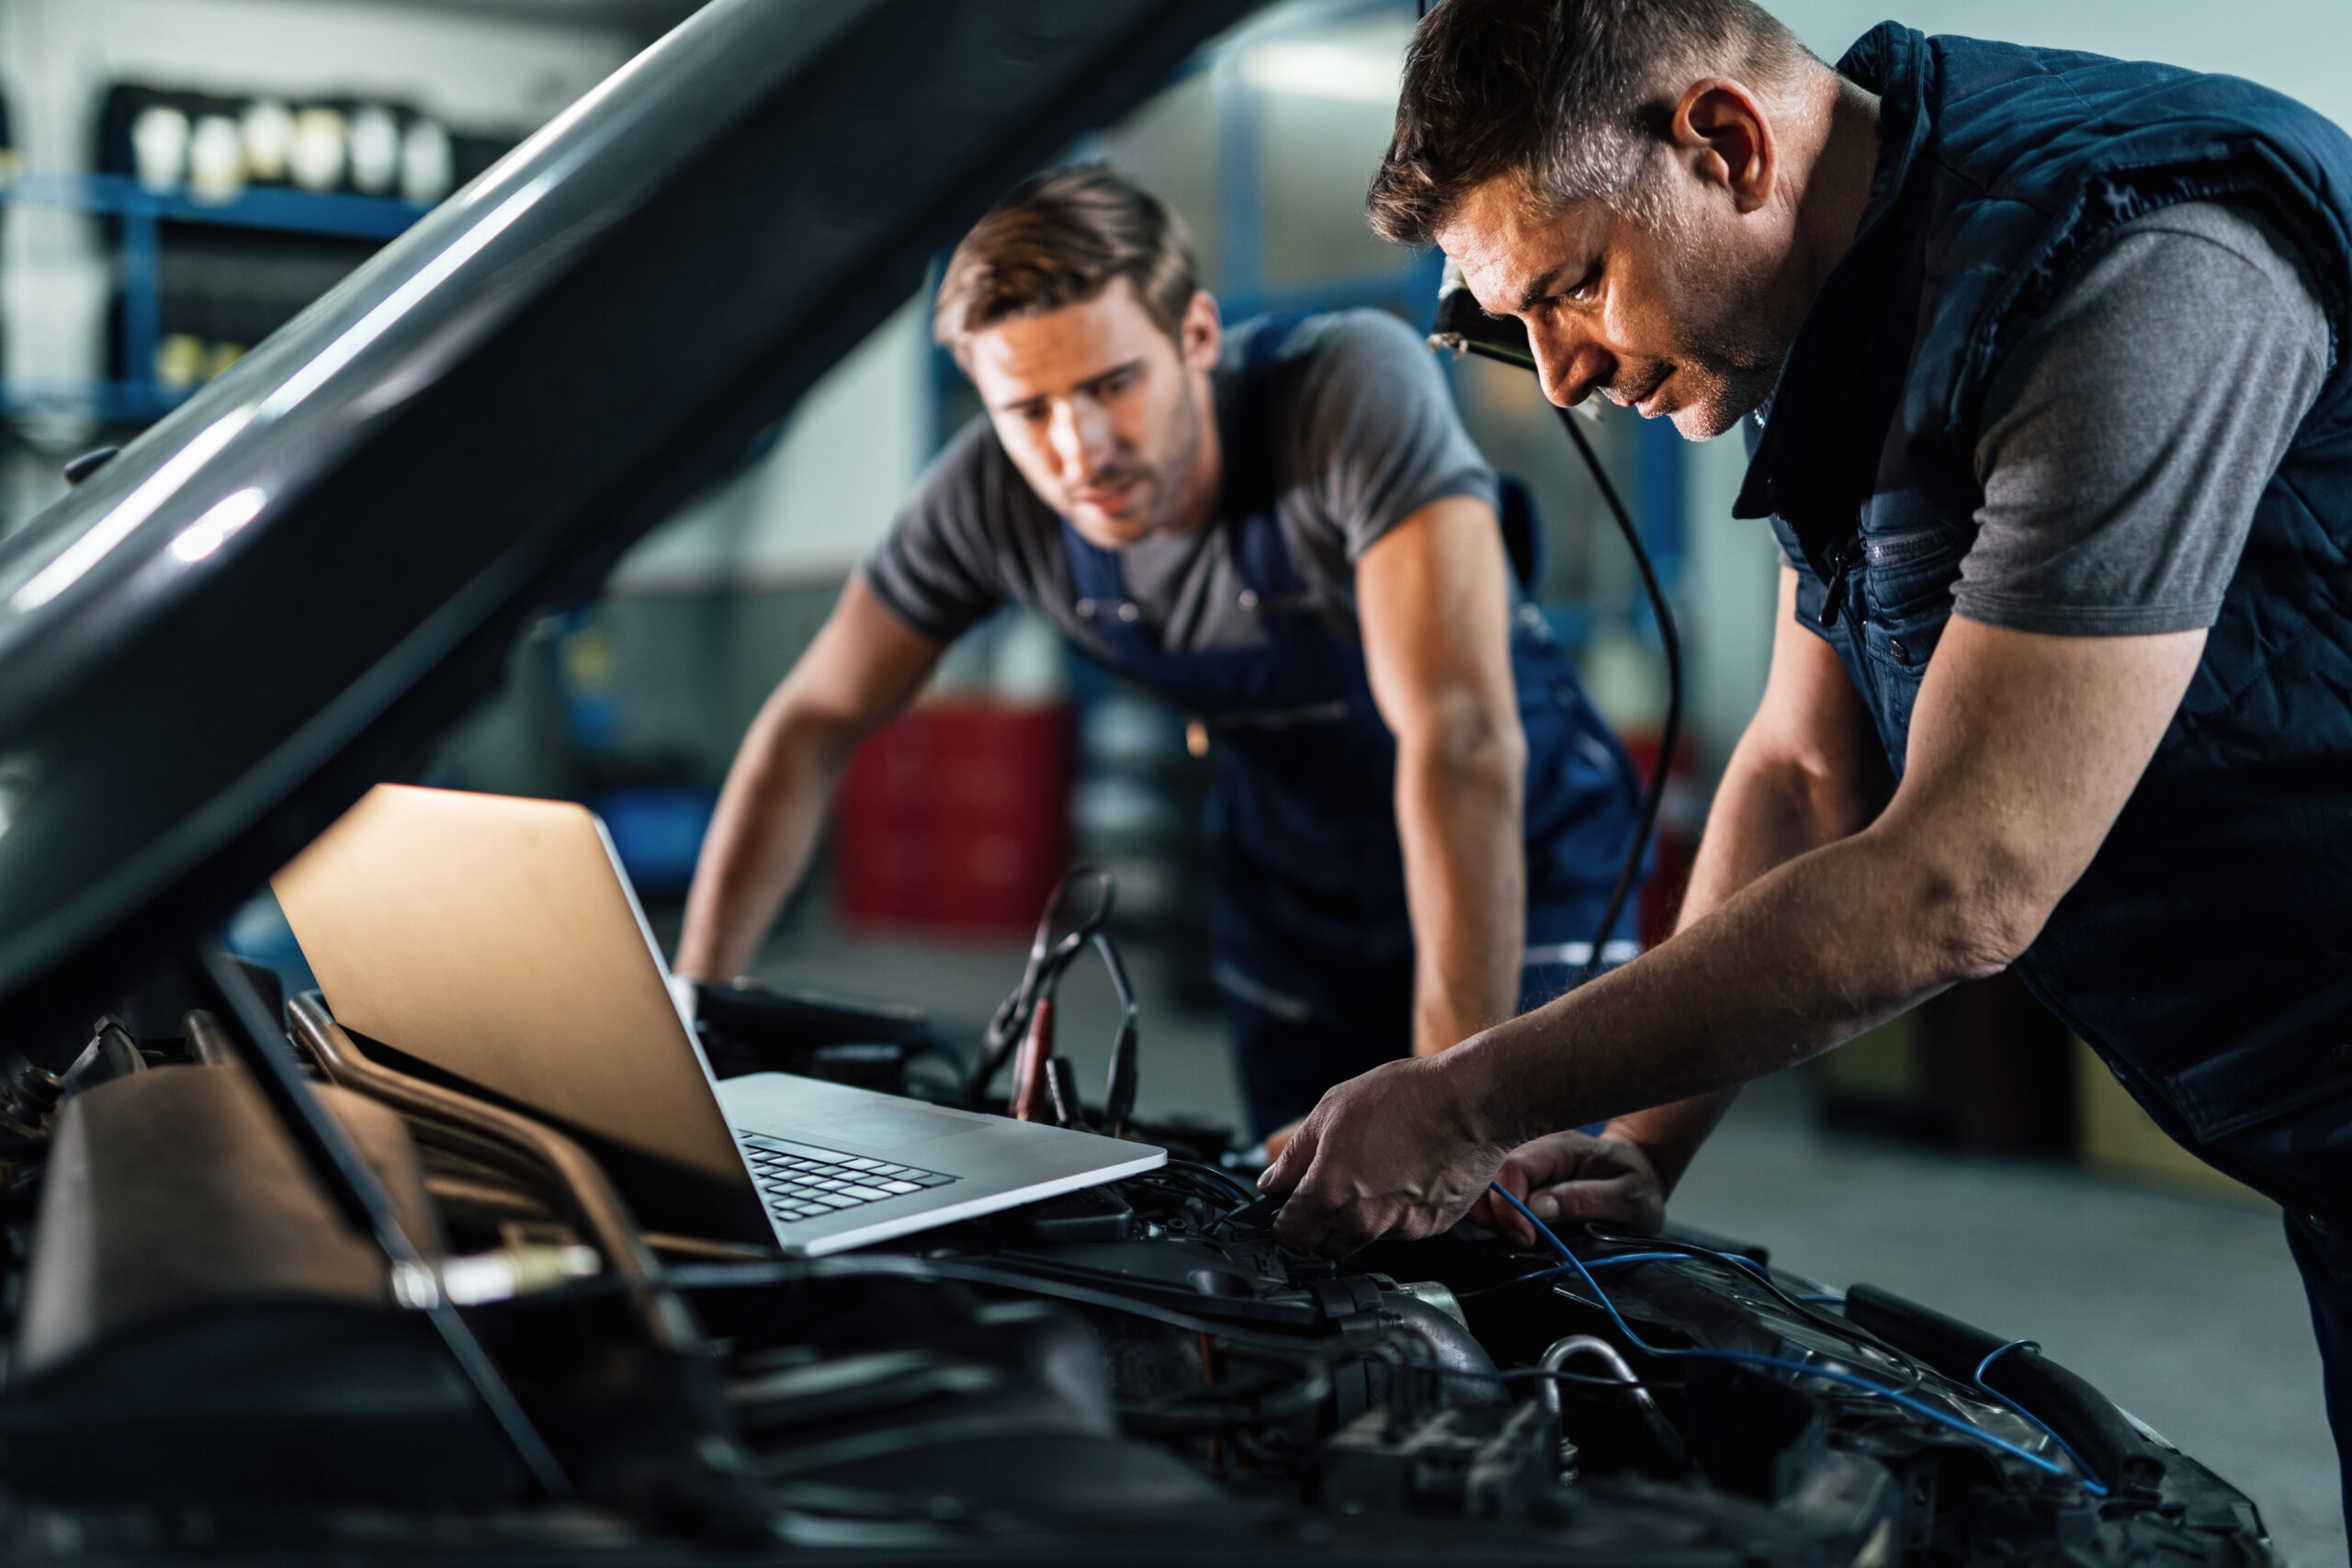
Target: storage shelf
<point>267,210</point>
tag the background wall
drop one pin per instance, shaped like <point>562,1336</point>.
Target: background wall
<point>2297,46</point>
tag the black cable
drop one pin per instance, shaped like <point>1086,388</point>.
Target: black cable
<point>1672,730</point>
<point>1391,1344</point>
<point>1226,1181</point>
<point>886,1265</point>
<point>1462,326</point>
<point>1595,1380</point>
<point>1048,958</point>
<point>1119,1090</point>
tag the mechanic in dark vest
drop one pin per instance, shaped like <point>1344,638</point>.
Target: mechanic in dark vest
<point>2041,360</point>
<point>1283,529</point>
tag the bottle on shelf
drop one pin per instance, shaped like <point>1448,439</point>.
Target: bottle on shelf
<point>427,161</point>
<point>159,140</point>
<point>180,362</point>
<point>268,128</point>
<point>375,149</point>
<point>316,160</point>
<point>216,160</point>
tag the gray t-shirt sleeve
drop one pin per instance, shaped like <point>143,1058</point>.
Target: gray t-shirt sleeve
<point>939,569</point>
<point>1373,430</point>
<point>2128,435</point>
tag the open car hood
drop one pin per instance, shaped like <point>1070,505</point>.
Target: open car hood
<point>279,593</point>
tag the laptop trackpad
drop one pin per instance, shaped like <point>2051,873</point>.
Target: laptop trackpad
<point>882,1126</point>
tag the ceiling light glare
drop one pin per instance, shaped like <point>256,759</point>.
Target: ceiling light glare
<point>1347,73</point>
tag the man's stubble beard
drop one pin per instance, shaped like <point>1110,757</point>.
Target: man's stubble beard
<point>1732,355</point>
<point>1172,469</point>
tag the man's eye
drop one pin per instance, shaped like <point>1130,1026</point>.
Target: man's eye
<point>1111,386</point>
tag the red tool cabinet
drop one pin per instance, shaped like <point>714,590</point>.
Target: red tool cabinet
<point>955,818</point>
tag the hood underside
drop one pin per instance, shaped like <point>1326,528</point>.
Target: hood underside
<point>275,596</point>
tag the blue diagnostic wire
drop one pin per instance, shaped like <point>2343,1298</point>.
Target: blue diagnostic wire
<point>1597,1263</point>
<point>1916,1408</point>
<point>2047,1430</point>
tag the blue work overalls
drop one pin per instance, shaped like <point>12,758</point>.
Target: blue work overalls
<point>1313,946</point>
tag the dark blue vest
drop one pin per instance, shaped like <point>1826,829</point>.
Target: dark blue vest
<point>2206,952</point>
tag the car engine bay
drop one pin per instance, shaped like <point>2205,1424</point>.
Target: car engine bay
<point>205,1355</point>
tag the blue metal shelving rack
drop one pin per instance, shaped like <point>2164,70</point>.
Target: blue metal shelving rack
<point>141,213</point>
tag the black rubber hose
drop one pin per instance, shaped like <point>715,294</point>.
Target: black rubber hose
<point>2132,1466</point>
<point>1673,732</point>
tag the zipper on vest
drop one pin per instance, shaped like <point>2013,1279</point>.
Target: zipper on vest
<point>1841,567</point>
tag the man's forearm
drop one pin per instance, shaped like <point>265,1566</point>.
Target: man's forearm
<point>1459,816</point>
<point>863,666</point>
<point>760,839</point>
<point>1805,957</point>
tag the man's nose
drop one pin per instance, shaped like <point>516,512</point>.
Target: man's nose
<point>1570,365</point>
<point>1080,433</point>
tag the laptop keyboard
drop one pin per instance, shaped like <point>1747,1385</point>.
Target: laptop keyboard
<point>800,1181</point>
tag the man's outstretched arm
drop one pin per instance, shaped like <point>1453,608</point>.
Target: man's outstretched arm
<point>863,666</point>
<point>1434,597</point>
<point>1806,773</point>
<point>2024,748</point>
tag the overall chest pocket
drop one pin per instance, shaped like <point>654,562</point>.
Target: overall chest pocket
<point>1908,577</point>
<point>1904,600</point>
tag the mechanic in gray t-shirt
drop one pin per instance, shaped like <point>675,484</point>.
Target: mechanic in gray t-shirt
<point>1285,532</point>
<point>1364,425</point>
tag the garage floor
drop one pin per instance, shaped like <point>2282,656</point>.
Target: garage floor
<point>2186,1311</point>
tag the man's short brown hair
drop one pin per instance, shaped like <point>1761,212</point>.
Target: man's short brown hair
<point>1062,239</point>
<point>1569,96</point>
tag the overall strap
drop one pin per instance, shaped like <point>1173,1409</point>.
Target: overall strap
<point>1260,552</point>
<point>1260,555</point>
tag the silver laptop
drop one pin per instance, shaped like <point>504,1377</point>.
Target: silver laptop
<point>495,942</point>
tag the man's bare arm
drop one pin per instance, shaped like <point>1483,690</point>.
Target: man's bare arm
<point>1433,597</point>
<point>2023,750</point>
<point>863,666</point>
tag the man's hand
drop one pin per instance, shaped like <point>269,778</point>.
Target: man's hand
<point>1574,1178</point>
<point>1279,1139</point>
<point>2023,749</point>
<point>1391,1153</point>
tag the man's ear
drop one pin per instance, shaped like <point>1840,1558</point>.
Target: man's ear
<point>1201,334</point>
<point>1723,130</point>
